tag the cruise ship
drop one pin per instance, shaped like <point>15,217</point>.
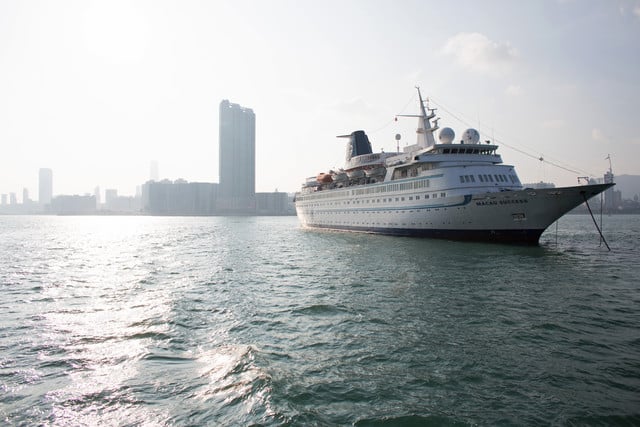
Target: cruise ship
<point>447,189</point>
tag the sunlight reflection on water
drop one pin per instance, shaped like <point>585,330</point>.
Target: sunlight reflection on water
<point>239,321</point>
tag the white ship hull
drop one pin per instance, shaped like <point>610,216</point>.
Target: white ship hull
<point>510,216</point>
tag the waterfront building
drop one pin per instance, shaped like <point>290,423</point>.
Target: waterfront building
<point>110,196</point>
<point>237,159</point>
<point>179,198</point>
<point>275,203</point>
<point>73,205</point>
<point>539,185</point>
<point>96,193</point>
<point>45,188</point>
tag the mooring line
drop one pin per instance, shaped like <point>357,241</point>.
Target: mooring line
<point>584,196</point>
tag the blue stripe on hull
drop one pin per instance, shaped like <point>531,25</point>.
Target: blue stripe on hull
<point>519,236</point>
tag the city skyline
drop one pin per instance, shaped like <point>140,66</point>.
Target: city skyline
<point>553,79</point>
<point>234,194</point>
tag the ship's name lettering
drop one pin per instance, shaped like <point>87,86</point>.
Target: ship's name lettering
<point>501,202</point>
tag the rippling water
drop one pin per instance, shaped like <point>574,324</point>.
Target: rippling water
<point>240,321</point>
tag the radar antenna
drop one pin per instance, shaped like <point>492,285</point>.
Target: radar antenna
<point>425,130</point>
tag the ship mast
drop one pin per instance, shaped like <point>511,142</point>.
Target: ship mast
<point>425,129</point>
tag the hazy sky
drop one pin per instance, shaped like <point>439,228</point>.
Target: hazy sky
<point>95,90</point>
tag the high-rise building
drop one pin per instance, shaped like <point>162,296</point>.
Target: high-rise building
<point>110,196</point>
<point>45,188</point>
<point>25,197</point>
<point>96,193</point>
<point>237,159</point>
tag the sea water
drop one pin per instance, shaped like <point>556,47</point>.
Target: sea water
<point>256,321</point>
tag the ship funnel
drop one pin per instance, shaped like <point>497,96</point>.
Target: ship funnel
<point>358,144</point>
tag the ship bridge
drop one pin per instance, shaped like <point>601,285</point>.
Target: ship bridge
<point>461,153</point>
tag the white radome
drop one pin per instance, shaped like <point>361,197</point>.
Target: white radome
<point>447,135</point>
<point>471,136</point>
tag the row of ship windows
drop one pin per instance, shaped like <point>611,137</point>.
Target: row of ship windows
<point>423,183</point>
<point>465,151</point>
<point>489,178</point>
<point>383,200</point>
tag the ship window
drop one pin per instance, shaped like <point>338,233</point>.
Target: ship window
<point>446,151</point>
<point>490,178</point>
<point>443,194</point>
<point>472,178</point>
<point>402,199</point>
<point>417,197</point>
<point>461,179</point>
<point>481,179</point>
<point>411,198</point>
<point>426,196</point>
<point>435,196</point>
<point>455,151</point>
<point>496,177</point>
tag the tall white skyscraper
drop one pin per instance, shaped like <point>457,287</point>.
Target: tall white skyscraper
<point>45,188</point>
<point>237,158</point>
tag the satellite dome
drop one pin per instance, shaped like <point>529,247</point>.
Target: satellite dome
<point>470,136</point>
<point>447,135</point>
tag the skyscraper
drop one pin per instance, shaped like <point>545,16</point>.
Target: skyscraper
<point>45,188</point>
<point>237,159</point>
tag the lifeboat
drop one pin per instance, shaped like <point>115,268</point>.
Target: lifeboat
<point>356,174</point>
<point>340,177</point>
<point>324,178</point>
<point>377,171</point>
